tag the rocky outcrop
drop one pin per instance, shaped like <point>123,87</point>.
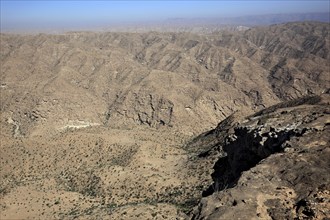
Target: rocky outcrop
<point>147,109</point>
<point>273,165</point>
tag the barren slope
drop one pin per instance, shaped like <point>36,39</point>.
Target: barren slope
<point>101,125</point>
<point>50,82</point>
<point>272,165</point>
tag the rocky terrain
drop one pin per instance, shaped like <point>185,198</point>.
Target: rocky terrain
<point>107,125</point>
<point>272,165</point>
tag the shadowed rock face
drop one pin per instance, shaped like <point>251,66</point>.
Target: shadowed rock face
<point>274,165</point>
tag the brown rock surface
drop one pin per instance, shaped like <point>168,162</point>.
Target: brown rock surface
<point>102,125</point>
<point>274,165</point>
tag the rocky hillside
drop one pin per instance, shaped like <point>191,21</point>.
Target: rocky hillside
<point>105,125</point>
<point>272,165</point>
<point>52,82</point>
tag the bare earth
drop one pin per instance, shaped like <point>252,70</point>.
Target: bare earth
<point>107,125</point>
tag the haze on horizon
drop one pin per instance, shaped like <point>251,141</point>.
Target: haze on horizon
<point>55,15</point>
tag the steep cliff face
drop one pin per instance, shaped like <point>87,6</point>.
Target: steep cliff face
<point>273,165</point>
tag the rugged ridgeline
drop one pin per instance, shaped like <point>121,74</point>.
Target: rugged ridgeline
<point>99,125</point>
<point>272,165</point>
<point>181,80</point>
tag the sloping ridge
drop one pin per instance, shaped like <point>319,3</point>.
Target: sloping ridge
<point>184,81</point>
<point>273,165</point>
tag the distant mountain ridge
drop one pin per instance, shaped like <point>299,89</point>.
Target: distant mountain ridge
<point>254,20</point>
<point>281,18</point>
<point>197,25</point>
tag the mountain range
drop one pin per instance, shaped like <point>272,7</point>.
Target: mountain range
<point>156,125</point>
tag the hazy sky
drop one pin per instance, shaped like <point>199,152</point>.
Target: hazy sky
<point>47,13</point>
